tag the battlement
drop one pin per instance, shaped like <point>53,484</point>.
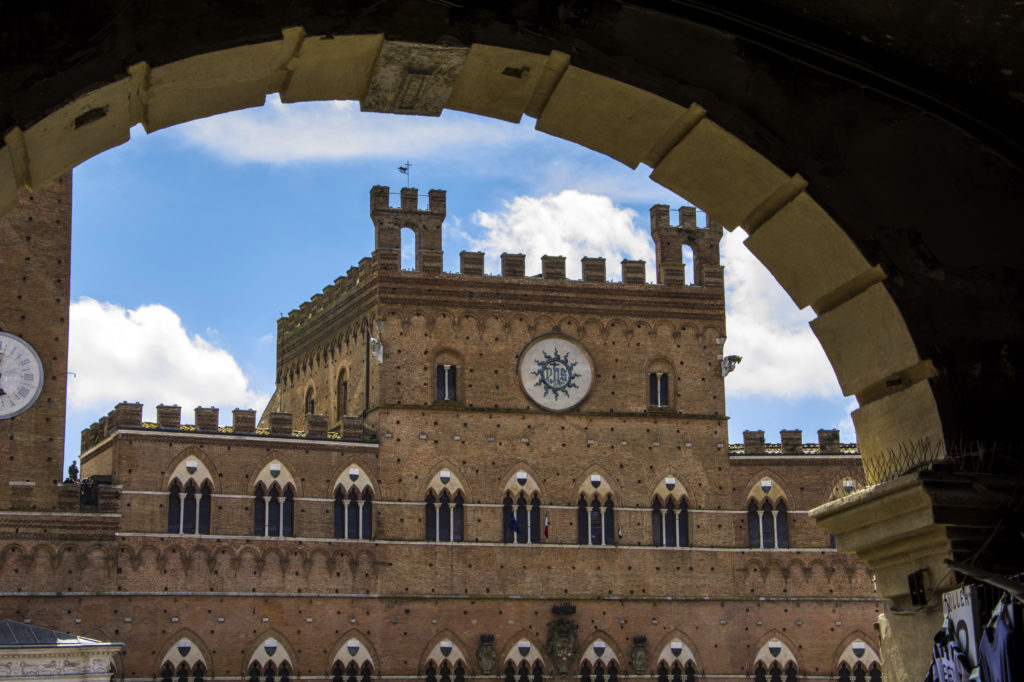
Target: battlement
<point>669,241</point>
<point>426,223</point>
<point>791,443</point>
<point>127,415</point>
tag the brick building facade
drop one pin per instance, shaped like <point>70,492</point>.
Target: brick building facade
<point>462,476</point>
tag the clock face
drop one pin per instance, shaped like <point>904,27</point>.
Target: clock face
<point>555,372</point>
<point>21,375</point>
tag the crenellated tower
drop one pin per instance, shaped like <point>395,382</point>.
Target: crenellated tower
<point>388,223</point>
<point>669,241</point>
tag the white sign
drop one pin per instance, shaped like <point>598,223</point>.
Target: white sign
<point>555,372</point>
<point>961,607</point>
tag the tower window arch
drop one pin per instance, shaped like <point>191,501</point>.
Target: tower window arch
<point>188,501</point>
<point>595,512</point>
<point>767,517</point>
<point>309,403</point>
<point>353,505</point>
<point>341,399</point>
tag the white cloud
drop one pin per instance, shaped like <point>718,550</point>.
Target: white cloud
<point>279,133</point>
<point>146,355</point>
<point>570,224</point>
<point>781,356</point>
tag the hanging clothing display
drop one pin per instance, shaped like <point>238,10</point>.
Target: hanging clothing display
<point>1000,658</point>
<point>949,664</point>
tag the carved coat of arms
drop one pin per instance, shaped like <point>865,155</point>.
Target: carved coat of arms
<point>486,656</point>
<point>562,646</point>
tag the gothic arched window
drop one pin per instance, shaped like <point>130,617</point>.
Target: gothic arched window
<point>342,397</point>
<point>760,675</point>
<point>781,525</point>
<point>309,405</point>
<point>507,527</point>
<point>167,673</point>
<point>174,509</point>
<point>430,517</point>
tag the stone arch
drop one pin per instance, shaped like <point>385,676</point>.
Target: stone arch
<point>205,469</point>
<point>529,488</point>
<point>453,485</point>
<point>612,652</point>
<point>264,473</point>
<point>342,652</point>
<point>584,485</point>
<point>360,482</point>
<point>664,650</point>
<point>756,484</point>
<point>433,652</point>
<point>511,652</point>
<point>767,645</point>
<point>849,646</point>
<point>185,646</point>
<point>271,646</point>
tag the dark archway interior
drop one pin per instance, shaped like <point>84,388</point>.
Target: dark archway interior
<point>903,119</point>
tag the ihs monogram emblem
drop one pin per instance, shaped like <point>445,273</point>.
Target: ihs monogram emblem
<point>555,374</point>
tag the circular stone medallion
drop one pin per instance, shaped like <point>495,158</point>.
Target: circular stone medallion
<point>555,372</point>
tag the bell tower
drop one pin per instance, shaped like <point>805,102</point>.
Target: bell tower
<point>35,240</point>
<point>388,223</point>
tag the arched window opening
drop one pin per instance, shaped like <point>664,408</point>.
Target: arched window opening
<point>204,508</point>
<point>844,672</point>
<point>167,673</point>
<point>408,248</point>
<point>288,514</point>
<point>174,509</point>
<point>670,523</point>
<point>444,518</point>
<point>353,672</point>
<point>613,672</point>
<point>609,523</point>
<point>760,674</point>
<point>309,405</point>
<point>875,673</point>
<point>508,522</point>
<point>367,672</point>
<point>688,263</point>
<point>582,526</point>
<point>523,522</point>
<point>535,532</point>
<point>366,512</point>
<point>859,673</point>
<point>596,517</point>
<point>791,672</point>
<point>538,672</point>
<point>767,526</point>
<point>354,511</point>
<point>182,673</point>
<point>431,518</point>
<point>254,672</point>
<point>658,385</point>
<point>457,518</point>
<point>599,672</point>
<point>460,672</point>
<point>274,513</point>
<point>341,400</point>
<point>446,382</point>
<point>510,672</point>
<point>337,673</point>
<point>781,525</point>
<point>775,672</point>
<point>691,672</point>
<point>340,523</point>
<point>446,672</point>
<point>662,672</point>
<point>431,675</point>
<point>198,672</point>
<point>657,526</point>
<point>585,672</point>
<point>259,512</point>
<point>683,524</point>
<point>284,672</point>
<point>188,522</point>
<point>754,525</point>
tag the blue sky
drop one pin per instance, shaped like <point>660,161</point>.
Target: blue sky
<point>190,242</point>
